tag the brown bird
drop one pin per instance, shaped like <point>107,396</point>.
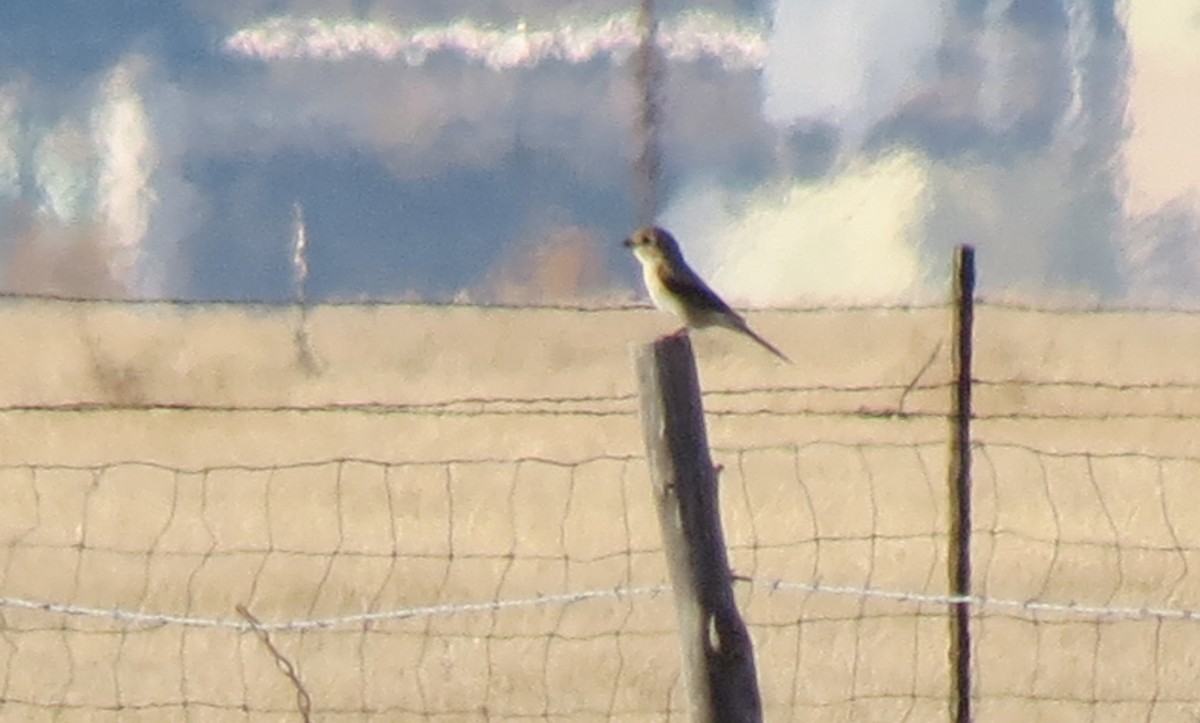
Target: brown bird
<point>674,287</point>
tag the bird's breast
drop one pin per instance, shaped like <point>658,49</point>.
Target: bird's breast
<point>659,294</point>
<point>663,298</point>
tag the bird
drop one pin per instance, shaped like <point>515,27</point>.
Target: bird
<point>675,288</point>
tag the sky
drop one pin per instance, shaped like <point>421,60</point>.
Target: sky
<point>813,151</point>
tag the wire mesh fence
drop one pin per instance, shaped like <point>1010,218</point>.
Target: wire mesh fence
<point>531,586</point>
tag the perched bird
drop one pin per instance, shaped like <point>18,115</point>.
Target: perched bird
<point>674,287</point>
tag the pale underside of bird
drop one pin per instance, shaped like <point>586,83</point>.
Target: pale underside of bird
<point>674,287</point>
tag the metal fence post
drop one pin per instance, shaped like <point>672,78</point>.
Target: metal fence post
<point>960,483</point>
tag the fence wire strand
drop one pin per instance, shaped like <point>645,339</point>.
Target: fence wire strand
<point>815,529</point>
<point>531,585</point>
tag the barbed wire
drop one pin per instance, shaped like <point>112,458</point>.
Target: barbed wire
<point>585,307</point>
<point>800,553</point>
<point>559,408</point>
<point>586,405</point>
<point>882,413</point>
<point>830,531</point>
<point>621,303</point>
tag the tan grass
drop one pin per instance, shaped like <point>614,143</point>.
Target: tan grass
<point>311,514</point>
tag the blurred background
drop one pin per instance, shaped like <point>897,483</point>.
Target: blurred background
<point>815,151</point>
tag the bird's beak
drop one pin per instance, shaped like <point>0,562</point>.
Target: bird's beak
<point>627,243</point>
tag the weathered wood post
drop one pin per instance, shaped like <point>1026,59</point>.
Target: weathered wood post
<point>718,657</point>
<point>960,484</point>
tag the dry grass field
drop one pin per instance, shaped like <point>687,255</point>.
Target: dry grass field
<point>178,461</point>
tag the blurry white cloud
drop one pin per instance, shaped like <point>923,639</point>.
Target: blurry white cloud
<point>1161,159</point>
<point>533,84</point>
<point>853,238</point>
<point>1081,44</point>
<point>685,37</point>
<point>1008,89</point>
<point>101,172</point>
<point>1163,250</point>
<point>124,142</point>
<point>917,125</point>
<point>10,142</point>
<point>848,61</point>
<point>62,168</point>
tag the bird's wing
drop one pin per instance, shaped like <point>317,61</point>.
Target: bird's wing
<point>692,290</point>
<point>695,294</point>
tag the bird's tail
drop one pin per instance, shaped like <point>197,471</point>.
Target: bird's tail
<point>745,329</point>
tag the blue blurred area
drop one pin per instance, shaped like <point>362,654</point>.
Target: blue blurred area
<point>370,234</point>
<point>1001,97</point>
<point>62,42</point>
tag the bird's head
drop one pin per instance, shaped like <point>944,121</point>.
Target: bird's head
<point>652,244</point>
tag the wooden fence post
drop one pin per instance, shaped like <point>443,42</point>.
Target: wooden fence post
<point>960,483</point>
<point>718,658</point>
